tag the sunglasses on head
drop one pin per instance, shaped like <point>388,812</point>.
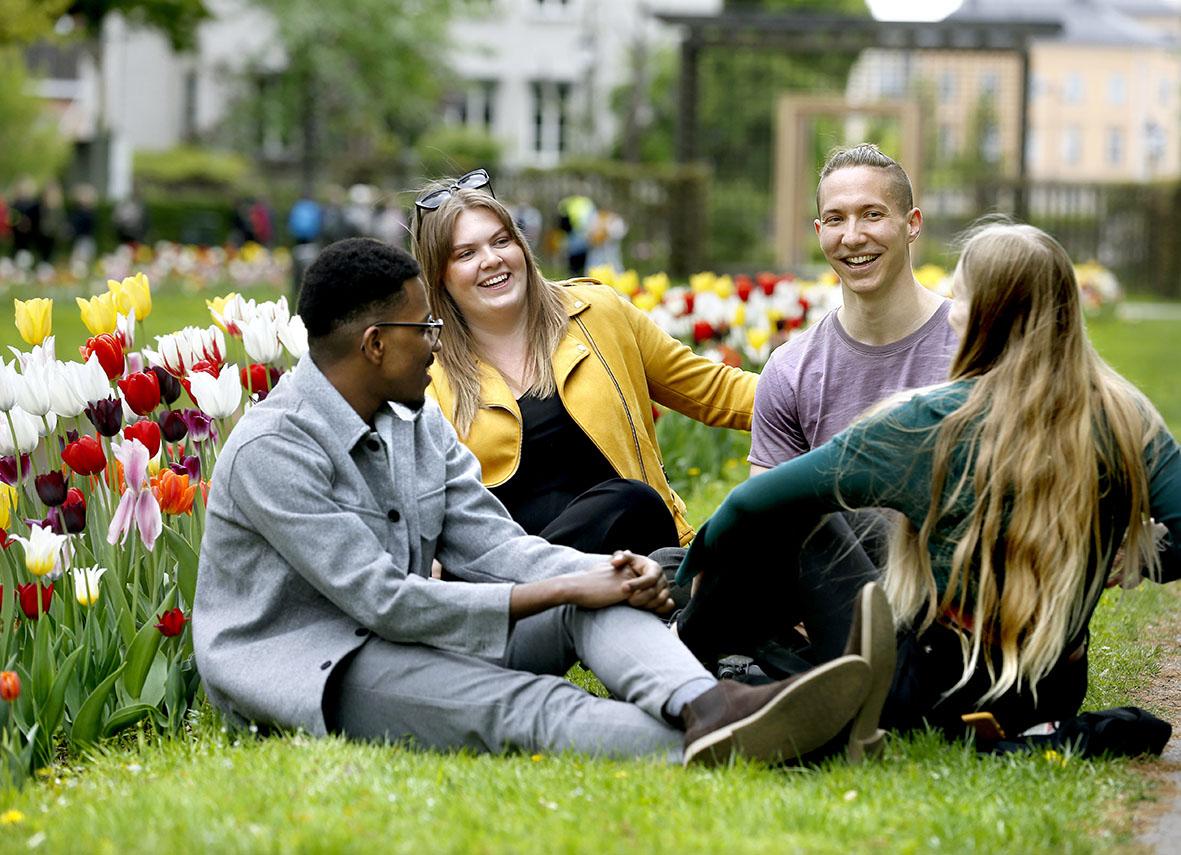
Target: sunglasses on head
<point>429,200</point>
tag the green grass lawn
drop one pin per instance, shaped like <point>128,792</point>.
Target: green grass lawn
<point>219,791</point>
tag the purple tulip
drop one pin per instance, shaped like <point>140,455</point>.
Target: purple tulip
<point>106,416</point>
<point>71,436</point>
<point>8,469</point>
<point>190,465</point>
<point>51,488</point>
<point>169,385</point>
<point>172,425</point>
<point>70,517</point>
<point>200,425</point>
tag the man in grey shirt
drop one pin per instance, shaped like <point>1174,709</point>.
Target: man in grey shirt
<point>315,607</point>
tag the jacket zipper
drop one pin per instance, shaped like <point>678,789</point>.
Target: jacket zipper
<point>619,391</point>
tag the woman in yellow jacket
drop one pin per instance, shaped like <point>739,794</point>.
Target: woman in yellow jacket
<point>551,385</point>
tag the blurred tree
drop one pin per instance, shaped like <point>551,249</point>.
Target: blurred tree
<point>29,140</point>
<point>26,21</point>
<point>356,74</point>
<point>455,150</point>
<point>177,20</point>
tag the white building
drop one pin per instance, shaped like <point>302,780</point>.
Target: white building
<point>537,74</point>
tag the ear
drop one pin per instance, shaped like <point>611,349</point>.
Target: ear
<point>372,345</point>
<point>816,225</point>
<point>914,224</point>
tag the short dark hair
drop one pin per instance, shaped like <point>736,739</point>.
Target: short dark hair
<point>347,278</point>
<point>868,154</point>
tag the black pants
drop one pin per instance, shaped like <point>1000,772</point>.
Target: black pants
<point>616,514</point>
<point>812,581</point>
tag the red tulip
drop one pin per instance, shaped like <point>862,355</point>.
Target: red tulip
<point>147,432</point>
<point>85,456</point>
<point>207,366</point>
<point>141,391</point>
<point>73,511</point>
<point>10,686</point>
<point>27,596</point>
<point>767,281</point>
<point>702,331</point>
<point>172,623</point>
<point>5,541</point>
<point>690,300</point>
<point>743,286</point>
<point>110,353</point>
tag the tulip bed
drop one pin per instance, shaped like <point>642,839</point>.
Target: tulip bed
<point>102,530</point>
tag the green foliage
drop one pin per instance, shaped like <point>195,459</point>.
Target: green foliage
<point>177,20</point>
<point>26,21</point>
<point>454,150</point>
<point>189,168</point>
<point>357,74</point>
<point>29,140</point>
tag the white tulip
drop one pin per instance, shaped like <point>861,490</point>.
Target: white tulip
<point>43,551</point>
<point>260,337</point>
<point>220,396</point>
<point>91,381</point>
<point>18,431</point>
<point>65,399</point>
<point>32,392</point>
<point>86,581</point>
<point>8,382</point>
<point>294,336</point>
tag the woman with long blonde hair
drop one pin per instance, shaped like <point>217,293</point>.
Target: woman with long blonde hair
<point>1017,482</point>
<point>552,384</point>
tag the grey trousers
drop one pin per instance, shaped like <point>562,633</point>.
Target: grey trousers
<point>445,700</point>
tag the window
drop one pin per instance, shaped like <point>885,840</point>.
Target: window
<point>947,147</point>
<point>188,115</point>
<point>990,143</point>
<point>1072,144</point>
<point>1115,146</point>
<point>947,87</point>
<point>1072,89</point>
<point>477,107</point>
<point>1031,146</point>
<point>551,107</point>
<point>1117,90</point>
<point>990,84</point>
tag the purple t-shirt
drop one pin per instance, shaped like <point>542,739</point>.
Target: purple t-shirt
<point>814,386</point>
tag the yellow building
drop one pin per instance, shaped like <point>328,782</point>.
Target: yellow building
<point>1105,95</point>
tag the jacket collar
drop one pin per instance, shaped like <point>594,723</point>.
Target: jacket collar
<point>340,425</point>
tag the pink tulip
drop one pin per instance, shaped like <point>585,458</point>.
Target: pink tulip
<point>138,507</point>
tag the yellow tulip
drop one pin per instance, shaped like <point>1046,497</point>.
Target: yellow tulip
<point>930,275</point>
<point>627,283</point>
<point>100,314</point>
<point>217,308</point>
<point>605,273</point>
<point>740,315</point>
<point>34,319</point>
<point>656,285</point>
<point>701,282</point>
<point>724,287</point>
<point>645,301</point>
<point>134,292</point>
<point>756,337</point>
<point>8,499</point>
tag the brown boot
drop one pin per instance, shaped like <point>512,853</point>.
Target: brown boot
<point>872,638</point>
<point>778,722</point>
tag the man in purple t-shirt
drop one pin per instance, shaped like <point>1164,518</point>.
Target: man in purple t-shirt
<point>890,334</point>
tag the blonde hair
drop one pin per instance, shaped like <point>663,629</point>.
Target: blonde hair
<point>546,320</point>
<point>1046,429</point>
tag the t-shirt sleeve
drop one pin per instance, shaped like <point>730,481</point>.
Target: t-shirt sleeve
<point>776,432</point>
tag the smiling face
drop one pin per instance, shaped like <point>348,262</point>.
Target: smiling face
<point>406,352</point>
<point>485,273</point>
<point>864,232</point>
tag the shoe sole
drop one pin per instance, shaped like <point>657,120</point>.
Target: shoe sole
<point>809,712</point>
<point>874,628</point>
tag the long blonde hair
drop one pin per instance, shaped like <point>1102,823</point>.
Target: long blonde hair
<point>1046,426</point>
<point>546,319</point>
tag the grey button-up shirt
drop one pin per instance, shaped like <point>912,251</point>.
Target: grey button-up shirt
<point>321,530</point>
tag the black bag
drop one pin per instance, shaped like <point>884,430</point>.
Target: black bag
<point>1119,732</point>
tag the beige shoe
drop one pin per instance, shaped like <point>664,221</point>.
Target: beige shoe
<point>872,638</point>
<point>778,722</point>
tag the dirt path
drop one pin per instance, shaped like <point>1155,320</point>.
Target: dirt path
<point>1158,824</point>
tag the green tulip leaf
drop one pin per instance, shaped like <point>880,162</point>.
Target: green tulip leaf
<point>186,564</point>
<point>88,721</point>
<point>125,717</point>
<point>140,654</point>
<point>42,670</point>
<point>51,714</point>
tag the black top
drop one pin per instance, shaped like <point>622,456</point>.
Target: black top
<point>558,463</point>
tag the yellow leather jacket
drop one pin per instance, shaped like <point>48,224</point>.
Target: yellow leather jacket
<point>611,365</point>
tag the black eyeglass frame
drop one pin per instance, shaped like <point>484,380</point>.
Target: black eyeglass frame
<point>477,179</point>
<point>432,327</point>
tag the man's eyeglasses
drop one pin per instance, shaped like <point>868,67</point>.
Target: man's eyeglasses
<point>431,327</point>
<point>429,200</point>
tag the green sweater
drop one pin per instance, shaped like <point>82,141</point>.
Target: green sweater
<point>885,461</point>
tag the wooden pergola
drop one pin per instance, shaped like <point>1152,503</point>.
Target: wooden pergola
<point>823,34</point>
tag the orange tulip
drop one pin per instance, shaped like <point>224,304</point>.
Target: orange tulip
<point>173,492</point>
<point>10,685</point>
